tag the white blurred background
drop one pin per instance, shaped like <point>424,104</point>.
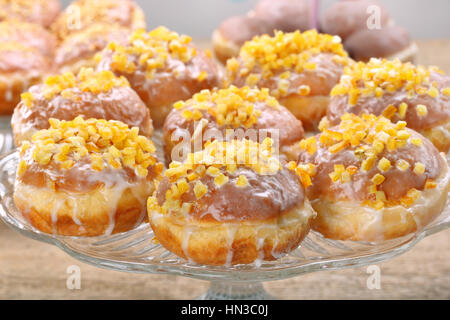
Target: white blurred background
<point>198,18</point>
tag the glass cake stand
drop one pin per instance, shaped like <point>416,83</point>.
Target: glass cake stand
<point>134,251</point>
<point>6,137</point>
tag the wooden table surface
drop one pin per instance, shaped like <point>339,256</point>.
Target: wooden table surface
<point>34,270</point>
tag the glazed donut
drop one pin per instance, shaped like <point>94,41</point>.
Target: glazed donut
<point>225,205</point>
<point>85,177</point>
<point>28,34</point>
<point>345,18</point>
<point>162,66</point>
<point>79,49</point>
<point>91,94</point>
<point>42,12</point>
<point>229,114</point>
<point>80,14</point>
<point>300,69</point>
<point>267,16</point>
<point>390,42</point>
<point>399,91</point>
<point>20,67</point>
<point>373,179</point>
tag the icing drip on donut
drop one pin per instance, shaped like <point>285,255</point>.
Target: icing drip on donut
<point>232,229</point>
<point>54,215</point>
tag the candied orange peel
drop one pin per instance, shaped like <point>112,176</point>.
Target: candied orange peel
<point>106,144</point>
<point>231,106</point>
<point>379,76</point>
<point>151,50</point>
<point>218,160</point>
<point>283,51</point>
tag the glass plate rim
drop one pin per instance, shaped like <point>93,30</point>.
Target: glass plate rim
<point>200,271</point>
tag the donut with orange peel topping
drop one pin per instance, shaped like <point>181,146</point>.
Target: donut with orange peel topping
<point>162,67</point>
<point>81,14</point>
<point>85,177</point>
<point>231,203</point>
<point>21,66</point>
<point>373,179</point>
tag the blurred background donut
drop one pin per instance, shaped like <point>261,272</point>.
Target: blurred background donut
<point>42,12</point>
<point>29,34</point>
<point>224,206</point>
<point>228,114</point>
<point>80,14</point>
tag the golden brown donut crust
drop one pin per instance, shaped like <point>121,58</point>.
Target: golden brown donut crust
<point>215,243</point>
<point>118,103</point>
<point>78,49</point>
<point>109,12</point>
<point>42,12</point>
<point>176,80</point>
<point>86,214</point>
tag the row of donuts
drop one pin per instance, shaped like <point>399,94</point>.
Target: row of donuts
<point>235,201</point>
<point>38,39</point>
<point>365,27</point>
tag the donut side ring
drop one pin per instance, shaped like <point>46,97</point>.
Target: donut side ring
<point>233,243</point>
<point>105,210</point>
